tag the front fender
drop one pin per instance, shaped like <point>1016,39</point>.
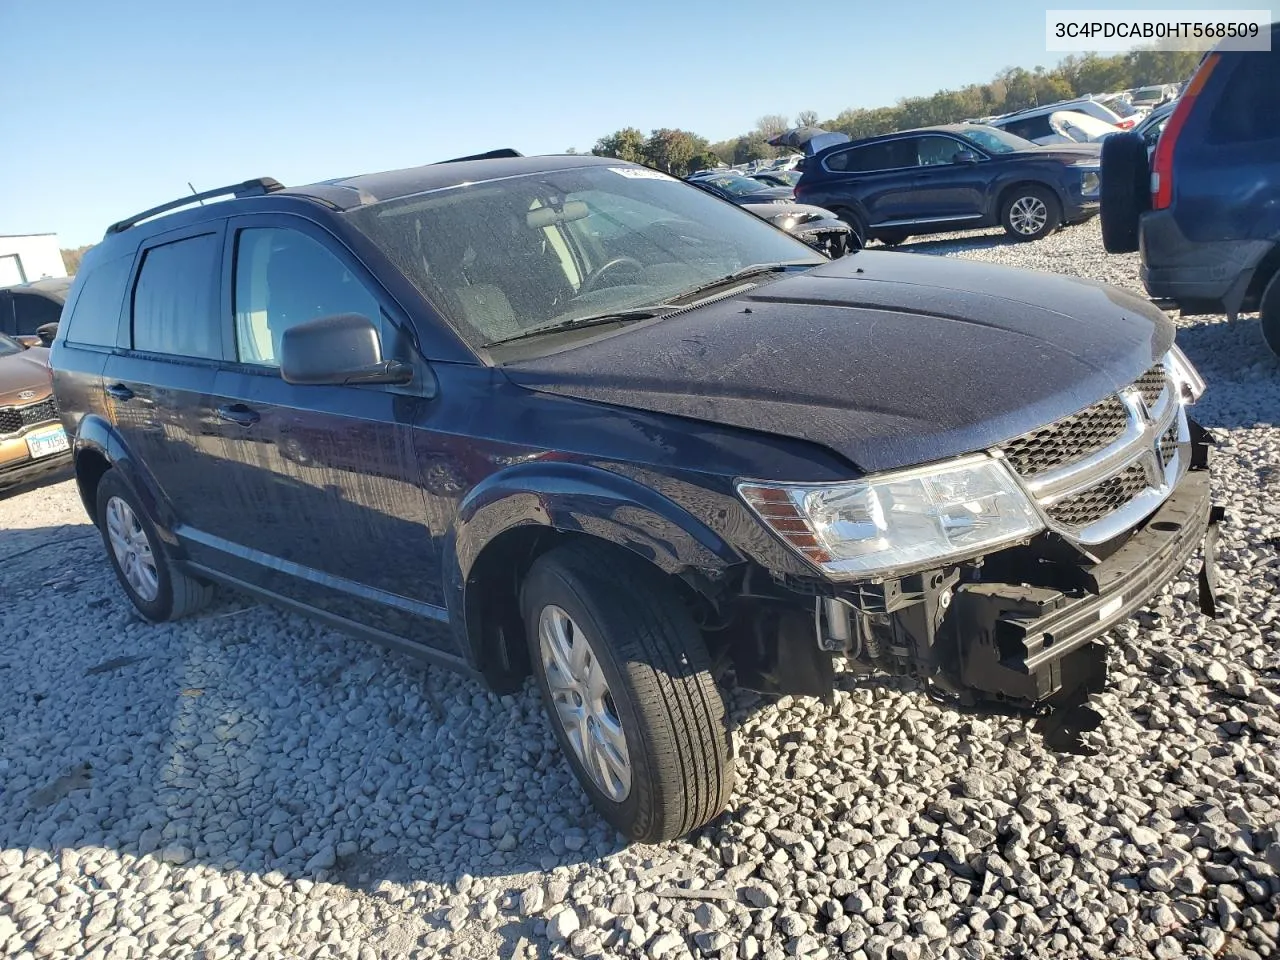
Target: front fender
<point>582,499</point>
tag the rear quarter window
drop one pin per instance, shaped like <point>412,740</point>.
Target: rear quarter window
<point>1248,108</point>
<point>94,318</point>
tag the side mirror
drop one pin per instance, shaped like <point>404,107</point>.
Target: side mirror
<point>336,350</point>
<point>965,156</point>
<point>47,333</point>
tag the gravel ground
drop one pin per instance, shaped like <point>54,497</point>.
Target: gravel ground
<point>247,783</point>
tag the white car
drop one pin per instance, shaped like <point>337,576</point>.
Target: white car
<point>1060,126</point>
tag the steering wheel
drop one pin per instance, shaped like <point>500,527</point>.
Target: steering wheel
<point>599,275</point>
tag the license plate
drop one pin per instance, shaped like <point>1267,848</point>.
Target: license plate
<point>47,442</point>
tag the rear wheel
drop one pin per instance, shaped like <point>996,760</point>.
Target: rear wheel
<point>1269,314</point>
<point>1126,190</point>
<point>626,680</point>
<point>1030,212</point>
<point>156,586</point>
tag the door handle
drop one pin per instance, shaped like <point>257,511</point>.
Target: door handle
<point>238,413</point>
<point>118,391</point>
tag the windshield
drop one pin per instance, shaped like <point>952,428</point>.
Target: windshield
<point>738,186</point>
<point>994,140</point>
<point>9,346</point>
<point>501,258</point>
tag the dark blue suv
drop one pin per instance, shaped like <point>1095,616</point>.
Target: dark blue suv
<point>1205,210</point>
<point>571,417</point>
<point>954,177</point>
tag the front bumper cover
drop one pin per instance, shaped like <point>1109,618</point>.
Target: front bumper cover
<point>1017,641</point>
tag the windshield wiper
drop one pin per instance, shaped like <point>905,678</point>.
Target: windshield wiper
<point>754,270</point>
<point>591,320</point>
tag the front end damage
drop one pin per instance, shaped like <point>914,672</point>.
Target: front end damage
<point>1014,631</point>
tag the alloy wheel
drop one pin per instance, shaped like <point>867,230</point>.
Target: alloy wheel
<point>132,550</point>
<point>1028,215</point>
<point>584,707</point>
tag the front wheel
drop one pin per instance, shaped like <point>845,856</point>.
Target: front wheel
<point>1030,212</point>
<point>152,581</point>
<point>626,680</point>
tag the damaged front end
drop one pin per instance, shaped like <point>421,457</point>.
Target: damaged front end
<point>1015,629</point>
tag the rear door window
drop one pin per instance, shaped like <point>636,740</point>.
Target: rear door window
<point>94,319</point>
<point>1248,108</point>
<point>1032,128</point>
<point>889,155</point>
<point>175,301</point>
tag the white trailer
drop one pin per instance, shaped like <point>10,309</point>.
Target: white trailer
<point>27,257</point>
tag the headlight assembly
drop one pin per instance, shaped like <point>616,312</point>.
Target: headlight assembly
<point>895,523</point>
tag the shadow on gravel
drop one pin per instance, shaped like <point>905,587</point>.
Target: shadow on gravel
<point>1241,374</point>
<point>952,244</point>
<point>49,479</point>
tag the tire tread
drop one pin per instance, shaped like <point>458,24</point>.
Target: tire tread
<point>690,762</point>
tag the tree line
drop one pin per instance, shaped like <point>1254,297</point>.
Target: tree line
<point>680,152</point>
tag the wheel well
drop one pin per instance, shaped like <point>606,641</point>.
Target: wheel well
<point>495,628</point>
<point>90,468</point>
<point>1267,268</point>
<point>1004,196</point>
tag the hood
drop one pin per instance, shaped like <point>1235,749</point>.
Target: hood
<point>888,359</point>
<point>24,371</point>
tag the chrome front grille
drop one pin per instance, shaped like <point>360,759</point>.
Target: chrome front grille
<point>1101,470</point>
<point>14,419</point>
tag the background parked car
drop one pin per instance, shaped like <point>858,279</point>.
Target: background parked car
<point>953,178</point>
<point>778,178</point>
<point>28,307</point>
<point>818,227</point>
<point>1151,97</point>
<point>1205,208</point>
<point>1153,125</point>
<point>742,189</point>
<point>32,440</point>
<point>1061,126</point>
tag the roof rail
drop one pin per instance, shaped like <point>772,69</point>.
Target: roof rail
<point>250,188</point>
<point>498,154</point>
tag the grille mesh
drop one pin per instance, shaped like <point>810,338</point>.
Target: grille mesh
<point>1151,384</point>
<point>1169,444</point>
<point>13,419</point>
<point>1111,494</point>
<point>1067,440</point>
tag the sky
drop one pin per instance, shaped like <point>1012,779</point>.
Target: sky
<point>114,107</point>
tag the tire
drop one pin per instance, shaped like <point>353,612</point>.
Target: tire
<point>858,239</point>
<point>1269,314</point>
<point>1030,212</point>
<point>1126,190</point>
<point>169,594</point>
<point>893,239</point>
<point>623,624</point>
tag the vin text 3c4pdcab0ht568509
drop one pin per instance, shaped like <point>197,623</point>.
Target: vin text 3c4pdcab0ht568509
<point>570,416</point>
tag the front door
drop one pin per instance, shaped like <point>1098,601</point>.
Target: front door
<point>328,509</point>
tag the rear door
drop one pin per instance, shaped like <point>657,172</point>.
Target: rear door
<point>324,503</point>
<point>159,384</point>
<point>876,175</point>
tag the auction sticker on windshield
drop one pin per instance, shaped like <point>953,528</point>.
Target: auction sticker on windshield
<point>640,173</point>
<point>47,442</point>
